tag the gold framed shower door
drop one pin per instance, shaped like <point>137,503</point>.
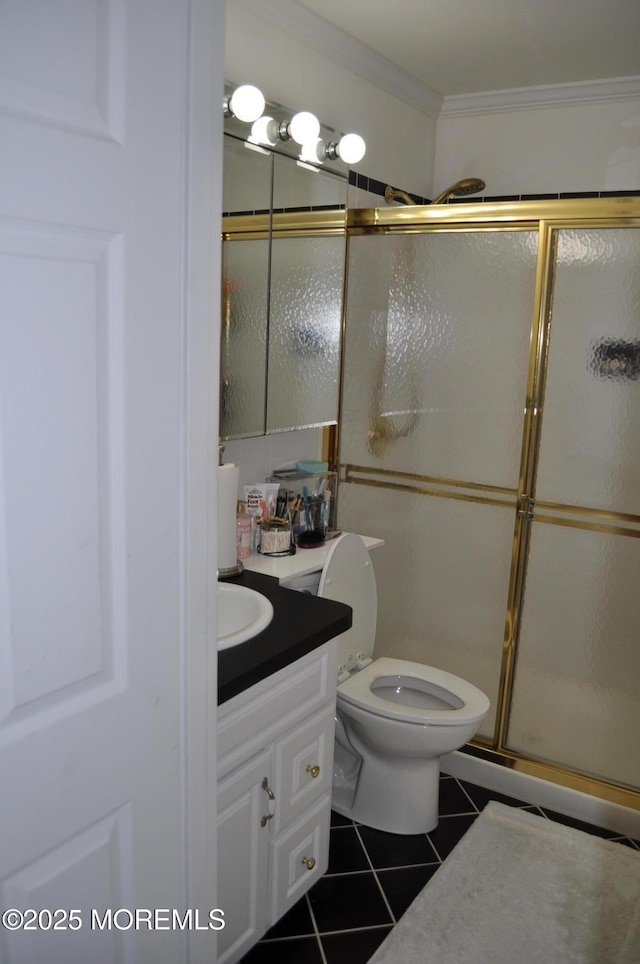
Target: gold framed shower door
<point>548,218</point>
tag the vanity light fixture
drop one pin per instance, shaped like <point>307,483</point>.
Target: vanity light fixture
<point>246,103</point>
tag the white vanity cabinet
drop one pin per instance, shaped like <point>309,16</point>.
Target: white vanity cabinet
<point>275,766</point>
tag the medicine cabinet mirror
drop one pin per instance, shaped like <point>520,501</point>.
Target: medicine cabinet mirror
<point>283,263</point>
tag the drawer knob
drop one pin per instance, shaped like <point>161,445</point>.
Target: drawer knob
<point>309,862</point>
<point>314,771</point>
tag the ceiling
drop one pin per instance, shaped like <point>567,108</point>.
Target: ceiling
<point>471,46</point>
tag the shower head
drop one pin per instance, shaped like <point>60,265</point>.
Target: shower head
<point>393,194</point>
<point>469,185</point>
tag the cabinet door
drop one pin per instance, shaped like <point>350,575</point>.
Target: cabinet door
<point>304,766</point>
<point>305,319</point>
<point>243,851</point>
<point>246,188</point>
<point>243,346</point>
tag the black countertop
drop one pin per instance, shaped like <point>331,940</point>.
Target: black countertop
<point>300,624</point>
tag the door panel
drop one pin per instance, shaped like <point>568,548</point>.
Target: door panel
<point>57,343</point>
<point>591,411</point>
<point>576,685</point>
<point>437,349</point>
<point>577,682</point>
<point>92,330</point>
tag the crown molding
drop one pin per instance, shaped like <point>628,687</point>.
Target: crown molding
<point>551,95</point>
<point>333,43</point>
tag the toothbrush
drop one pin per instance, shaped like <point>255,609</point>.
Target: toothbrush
<point>305,499</point>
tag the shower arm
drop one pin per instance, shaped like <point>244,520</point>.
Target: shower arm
<point>392,194</point>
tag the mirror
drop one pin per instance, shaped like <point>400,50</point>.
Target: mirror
<point>247,185</point>
<point>283,261</point>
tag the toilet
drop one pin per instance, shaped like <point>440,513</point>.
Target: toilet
<point>395,718</point>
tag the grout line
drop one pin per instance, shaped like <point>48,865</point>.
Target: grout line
<point>354,873</point>
<point>359,930</point>
<point>316,929</point>
<point>458,813</point>
<point>467,795</point>
<point>375,876</point>
<point>285,938</point>
<point>322,954</point>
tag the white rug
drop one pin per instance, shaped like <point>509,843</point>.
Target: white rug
<point>521,889</point>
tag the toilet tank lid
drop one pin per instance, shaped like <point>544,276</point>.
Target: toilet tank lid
<point>348,577</point>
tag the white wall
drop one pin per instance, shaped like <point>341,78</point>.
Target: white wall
<point>400,138</point>
<point>259,457</point>
<point>583,137</point>
<point>579,147</point>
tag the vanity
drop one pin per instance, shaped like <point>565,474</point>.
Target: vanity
<point>276,718</point>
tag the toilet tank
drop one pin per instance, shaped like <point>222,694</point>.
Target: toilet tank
<point>348,577</point>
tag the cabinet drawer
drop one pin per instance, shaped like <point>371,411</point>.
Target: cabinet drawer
<point>300,857</point>
<point>265,711</point>
<point>304,766</point>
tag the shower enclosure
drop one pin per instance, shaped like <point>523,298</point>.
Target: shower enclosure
<point>489,428</point>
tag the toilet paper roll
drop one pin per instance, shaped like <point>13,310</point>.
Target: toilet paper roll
<point>228,477</point>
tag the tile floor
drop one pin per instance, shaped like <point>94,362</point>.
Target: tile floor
<point>373,877</point>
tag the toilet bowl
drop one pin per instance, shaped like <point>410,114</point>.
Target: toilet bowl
<point>395,718</point>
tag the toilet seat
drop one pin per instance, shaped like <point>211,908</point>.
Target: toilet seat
<point>348,577</point>
<point>473,707</point>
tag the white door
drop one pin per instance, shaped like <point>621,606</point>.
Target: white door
<point>94,523</point>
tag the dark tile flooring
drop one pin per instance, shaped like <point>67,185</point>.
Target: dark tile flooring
<point>374,876</point>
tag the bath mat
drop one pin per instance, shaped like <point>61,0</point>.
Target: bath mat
<point>521,889</point>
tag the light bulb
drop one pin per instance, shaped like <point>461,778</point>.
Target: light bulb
<point>304,127</point>
<point>264,131</point>
<point>310,150</point>
<point>351,148</point>
<point>246,103</point>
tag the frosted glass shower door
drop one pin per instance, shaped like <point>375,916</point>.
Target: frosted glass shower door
<point>437,344</point>
<point>576,688</point>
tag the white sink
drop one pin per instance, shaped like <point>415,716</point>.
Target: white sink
<point>242,614</point>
